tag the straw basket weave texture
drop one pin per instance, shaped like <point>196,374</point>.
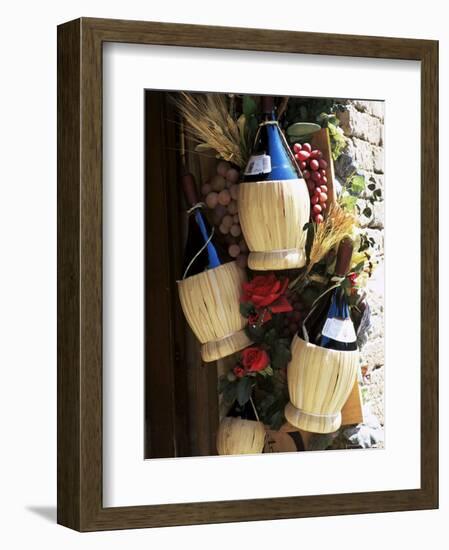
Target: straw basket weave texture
<point>319,383</point>
<point>210,302</point>
<point>272,216</point>
<point>236,436</point>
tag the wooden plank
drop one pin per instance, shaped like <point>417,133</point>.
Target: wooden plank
<point>166,418</point>
<point>203,402</point>
<point>352,411</point>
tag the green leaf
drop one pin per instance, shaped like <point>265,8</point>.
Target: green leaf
<point>252,125</point>
<point>378,193</point>
<point>277,419</point>
<point>332,128</point>
<point>246,309</point>
<point>367,212</point>
<point>348,202</point>
<point>222,383</point>
<point>281,356</point>
<point>346,283</point>
<point>357,184</point>
<point>256,334</point>
<point>244,387</point>
<point>300,130</point>
<point>359,267</point>
<point>230,392</point>
<point>249,106</point>
<point>270,337</point>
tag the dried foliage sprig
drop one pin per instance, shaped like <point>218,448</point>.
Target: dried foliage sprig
<point>338,224</point>
<point>209,122</point>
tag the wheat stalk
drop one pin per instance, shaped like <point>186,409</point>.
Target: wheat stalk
<point>338,224</point>
<point>208,121</point>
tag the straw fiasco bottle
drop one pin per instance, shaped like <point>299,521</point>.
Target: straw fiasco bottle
<point>200,252</point>
<point>271,158</point>
<point>330,324</point>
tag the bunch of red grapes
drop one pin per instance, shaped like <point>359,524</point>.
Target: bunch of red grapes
<point>220,194</point>
<point>313,168</point>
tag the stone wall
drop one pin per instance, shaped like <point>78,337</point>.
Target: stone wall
<point>363,125</point>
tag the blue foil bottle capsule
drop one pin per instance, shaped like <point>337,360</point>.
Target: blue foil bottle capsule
<point>271,158</point>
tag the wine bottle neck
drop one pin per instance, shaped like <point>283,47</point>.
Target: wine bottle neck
<point>344,256</point>
<point>268,116</point>
<point>198,206</point>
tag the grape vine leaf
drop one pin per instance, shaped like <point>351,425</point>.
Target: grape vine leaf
<point>357,184</point>
<point>230,392</point>
<point>348,202</point>
<point>249,106</point>
<point>244,387</point>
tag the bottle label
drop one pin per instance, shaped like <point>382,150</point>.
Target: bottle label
<point>341,330</point>
<point>258,164</point>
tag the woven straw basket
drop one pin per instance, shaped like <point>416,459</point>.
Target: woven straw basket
<point>272,216</point>
<point>210,302</point>
<point>319,383</point>
<point>240,437</point>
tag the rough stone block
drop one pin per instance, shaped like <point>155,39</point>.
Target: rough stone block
<point>372,353</point>
<point>344,166</point>
<point>378,218</point>
<point>375,108</point>
<point>378,159</point>
<point>363,219</point>
<point>377,179</point>
<point>361,125</point>
<point>362,153</point>
<point>378,236</point>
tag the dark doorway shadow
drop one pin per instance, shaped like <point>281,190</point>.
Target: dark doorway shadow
<point>46,512</point>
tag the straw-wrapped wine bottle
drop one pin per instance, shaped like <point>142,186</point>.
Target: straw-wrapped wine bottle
<point>210,289</point>
<point>329,323</point>
<point>324,362</point>
<point>273,199</point>
<point>271,158</point>
<point>201,251</point>
<point>240,432</point>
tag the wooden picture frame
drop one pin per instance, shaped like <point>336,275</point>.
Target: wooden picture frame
<point>80,504</point>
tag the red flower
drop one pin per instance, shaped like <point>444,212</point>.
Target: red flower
<point>239,372</point>
<point>255,359</point>
<point>353,278</point>
<point>267,290</point>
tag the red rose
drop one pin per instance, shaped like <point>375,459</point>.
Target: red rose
<point>255,359</point>
<point>239,372</point>
<point>267,290</point>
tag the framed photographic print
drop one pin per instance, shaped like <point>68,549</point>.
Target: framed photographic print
<point>247,274</point>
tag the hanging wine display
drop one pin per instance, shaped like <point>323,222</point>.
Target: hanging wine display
<point>292,337</point>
